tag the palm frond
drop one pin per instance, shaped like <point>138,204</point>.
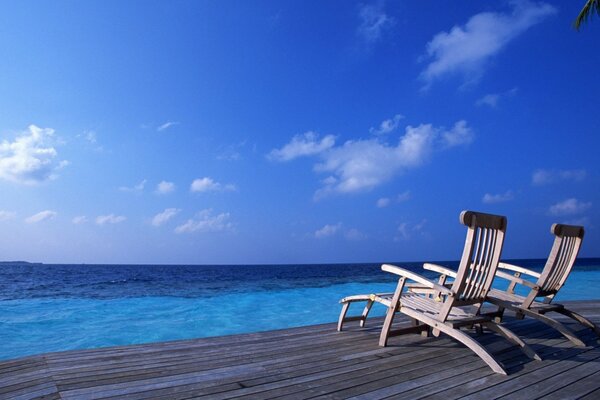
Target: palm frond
<point>586,12</point>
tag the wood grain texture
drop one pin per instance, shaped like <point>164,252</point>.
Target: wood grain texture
<point>318,362</point>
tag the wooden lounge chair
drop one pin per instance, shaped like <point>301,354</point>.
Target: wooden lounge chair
<point>449,308</point>
<point>562,257</point>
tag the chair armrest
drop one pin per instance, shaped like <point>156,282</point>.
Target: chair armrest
<point>417,278</point>
<point>439,269</point>
<point>516,268</point>
<point>517,280</point>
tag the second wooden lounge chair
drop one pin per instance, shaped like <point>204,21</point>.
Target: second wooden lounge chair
<point>538,302</point>
<point>449,308</point>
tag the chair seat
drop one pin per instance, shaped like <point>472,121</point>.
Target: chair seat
<point>515,301</point>
<point>431,307</point>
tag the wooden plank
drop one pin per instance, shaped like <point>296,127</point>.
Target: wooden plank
<point>316,361</point>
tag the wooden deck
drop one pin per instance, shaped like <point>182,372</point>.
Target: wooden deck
<point>316,362</point>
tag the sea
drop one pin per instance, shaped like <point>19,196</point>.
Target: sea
<point>55,307</point>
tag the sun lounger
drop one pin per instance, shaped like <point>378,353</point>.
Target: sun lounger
<point>542,291</point>
<point>447,309</point>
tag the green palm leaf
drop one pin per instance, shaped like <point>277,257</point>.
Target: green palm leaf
<point>586,12</point>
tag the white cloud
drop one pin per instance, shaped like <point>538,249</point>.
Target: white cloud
<point>545,176</point>
<point>569,207</point>
<point>583,221</point>
<point>134,189</point>
<point>492,99</point>
<point>407,230</point>
<point>373,21</point>
<point>497,198</point>
<point>205,221</point>
<point>489,100</point>
<point>354,234</point>
<point>403,232</point>
<point>109,219</point>
<point>31,158</point>
<point>232,152</point>
<point>82,219</point>
<point>404,196</point>
<point>41,216</point>
<point>383,202</point>
<point>307,144</point>
<point>92,139</point>
<point>466,49</point>
<point>461,134</point>
<point>90,136</point>
<point>327,230</point>
<point>364,164</point>
<point>387,126</point>
<point>165,187</point>
<point>163,217</point>
<point>206,184</point>
<point>401,198</point>
<point>6,215</point>
<point>166,125</point>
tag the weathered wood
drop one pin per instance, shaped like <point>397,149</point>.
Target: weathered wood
<point>448,308</point>
<point>315,361</point>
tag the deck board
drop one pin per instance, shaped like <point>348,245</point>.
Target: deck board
<point>316,362</point>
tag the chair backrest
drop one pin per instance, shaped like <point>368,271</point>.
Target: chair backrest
<point>480,258</point>
<point>567,242</point>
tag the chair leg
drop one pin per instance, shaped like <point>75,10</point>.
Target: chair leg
<point>511,337</point>
<point>342,316</point>
<point>566,332</point>
<point>365,313</point>
<point>581,319</point>
<point>387,325</point>
<point>461,337</point>
<point>474,346</point>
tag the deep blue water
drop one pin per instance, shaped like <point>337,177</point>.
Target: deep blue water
<point>60,307</point>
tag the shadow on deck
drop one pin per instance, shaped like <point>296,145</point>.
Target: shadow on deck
<point>316,361</point>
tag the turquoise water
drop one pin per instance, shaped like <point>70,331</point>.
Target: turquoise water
<point>32,325</point>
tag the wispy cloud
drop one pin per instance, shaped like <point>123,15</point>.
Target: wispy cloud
<point>89,136</point>
<point>307,144</point>
<point>386,201</point>
<point>205,221</point>
<point>206,184</point>
<point>383,202</point>
<point>354,234</point>
<point>31,158</point>
<point>467,49</point>
<point>166,125</point>
<point>164,217</point>
<point>6,215</point>
<point>387,126</point>
<point>165,187</point>
<point>135,188</point>
<point>231,152</point>
<point>492,99</point>
<point>404,196</point>
<point>361,165</point>
<point>569,207</point>
<point>498,198</point>
<point>546,176</point>
<point>109,219</point>
<point>41,216</point>
<point>373,21</point>
<point>327,230</point>
<point>407,230</point>
<point>81,219</point>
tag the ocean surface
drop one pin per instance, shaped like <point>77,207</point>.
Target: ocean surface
<point>54,307</point>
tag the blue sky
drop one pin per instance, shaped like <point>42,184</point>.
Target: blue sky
<point>292,132</point>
